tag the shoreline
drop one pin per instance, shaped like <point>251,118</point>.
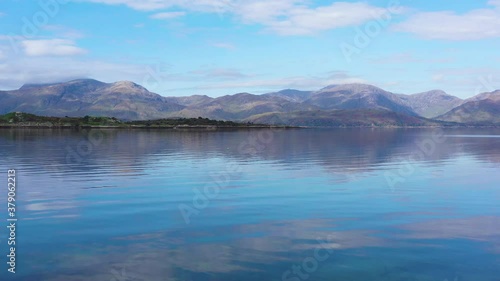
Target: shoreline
<point>213,128</point>
<point>181,127</point>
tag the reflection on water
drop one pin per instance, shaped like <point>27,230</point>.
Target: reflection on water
<point>329,204</point>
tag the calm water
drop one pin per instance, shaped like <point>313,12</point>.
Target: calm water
<point>345,204</point>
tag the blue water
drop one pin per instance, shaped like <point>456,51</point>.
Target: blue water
<point>299,204</point>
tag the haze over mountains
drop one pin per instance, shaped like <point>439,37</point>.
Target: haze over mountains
<point>334,105</point>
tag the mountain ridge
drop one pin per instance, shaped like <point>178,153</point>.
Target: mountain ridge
<point>480,109</point>
<point>130,101</point>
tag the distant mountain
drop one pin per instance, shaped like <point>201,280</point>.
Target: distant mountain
<point>432,103</point>
<point>330,105</point>
<point>358,96</point>
<point>484,96</point>
<point>481,109</point>
<point>195,100</point>
<point>291,95</point>
<point>241,106</point>
<point>344,118</point>
<point>124,100</point>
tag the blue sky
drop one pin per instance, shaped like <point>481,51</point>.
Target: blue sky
<point>219,47</point>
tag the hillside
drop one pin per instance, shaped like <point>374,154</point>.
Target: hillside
<point>357,96</point>
<point>481,109</point>
<point>291,95</point>
<point>242,106</point>
<point>124,100</point>
<point>128,101</point>
<point>432,103</point>
<point>346,118</point>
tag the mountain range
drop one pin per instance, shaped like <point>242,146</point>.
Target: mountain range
<point>334,105</point>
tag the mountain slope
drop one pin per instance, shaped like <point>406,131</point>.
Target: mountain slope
<point>129,101</point>
<point>358,96</point>
<point>343,118</point>
<point>481,109</point>
<point>195,100</point>
<point>291,95</point>
<point>241,106</point>
<point>124,100</point>
<point>432,103</point>
<point>483,96</point>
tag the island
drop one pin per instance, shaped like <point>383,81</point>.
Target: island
<point>27,120</point>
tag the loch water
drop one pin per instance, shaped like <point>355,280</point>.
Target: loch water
<point>296,204</point>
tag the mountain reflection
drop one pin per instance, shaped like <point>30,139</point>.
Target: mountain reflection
<point>181,254</point>
<point>105,204</point>
<point>342,151</point>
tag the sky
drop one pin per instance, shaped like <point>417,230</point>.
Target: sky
<point>220,47</point>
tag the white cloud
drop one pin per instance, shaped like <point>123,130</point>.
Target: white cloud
<point>448,25</point>
<point>5,37</point>
<point>466,82</point>
<point>439,77</point>
<point>21,68</point>
<point>285,17</point>
<point>295,82</point>
<point>152,5</point>
<point>406,58</point>
<point>167,15</point>
<point>61,31</point>
<point>143,5</point>
<point>217,74</point>
<point>263,12</point>
<point>51,47</point>
<point>18,70</point>
<point>223,45</point>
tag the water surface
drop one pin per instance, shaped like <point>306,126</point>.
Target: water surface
<point>312,204</point>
